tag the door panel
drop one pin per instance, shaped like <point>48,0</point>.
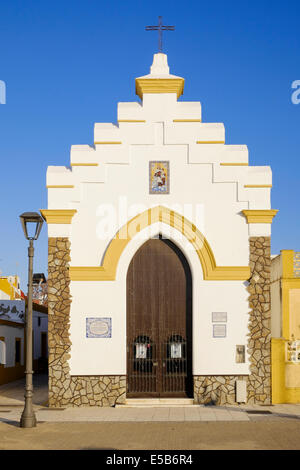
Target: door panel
<point>159,322</point>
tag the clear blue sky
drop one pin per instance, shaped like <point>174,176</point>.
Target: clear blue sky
<point>66,64</point>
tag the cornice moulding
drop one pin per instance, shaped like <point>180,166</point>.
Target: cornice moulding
<point>58,216</point>
<point>259,216</point>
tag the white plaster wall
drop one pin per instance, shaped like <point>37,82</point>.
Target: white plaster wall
<point>192,193</point>
<point>276,268</point>
<point>96,356</point>
<point>10,333</point>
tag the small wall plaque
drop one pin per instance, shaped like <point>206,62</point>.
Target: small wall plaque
<point>219,317</point>
<point>98,328</point>
<point>219,331</point>
<point>240,354</point>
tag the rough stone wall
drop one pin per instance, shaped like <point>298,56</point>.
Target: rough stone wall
<point>215,390</point>
<point>66,390</point>
<point>259,345</point>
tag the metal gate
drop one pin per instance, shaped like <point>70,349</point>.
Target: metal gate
<point>159,348</point>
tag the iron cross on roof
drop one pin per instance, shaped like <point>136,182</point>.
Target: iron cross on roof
<point>160,28</point>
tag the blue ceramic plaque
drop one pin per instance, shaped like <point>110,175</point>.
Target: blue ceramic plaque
<point>98,328</point>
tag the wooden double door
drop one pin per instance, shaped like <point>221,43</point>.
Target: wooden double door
<point>159,322</point>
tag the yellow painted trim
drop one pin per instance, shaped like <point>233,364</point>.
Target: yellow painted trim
<point>210,142</point>
<point>131,120</point>
<point>187,120</point>
<point>234,164</point>
<point>278,370</point>
<point>287,263</point>
<point>291,283</point>
<point>259,216</point>
<point>159,85</point>
<point>260,186</point>
<point>281,393</point>
<point>292,395</point>
<point>108,143</point>
<point>60,186</point>
<point>285,302</point>
<point>107,272</point>
<point>84,164</point>
<point>286,286</point>
<point>6,287</point>
<point>58,216</point>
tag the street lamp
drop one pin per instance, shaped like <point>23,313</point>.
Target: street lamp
<point>32,225</point>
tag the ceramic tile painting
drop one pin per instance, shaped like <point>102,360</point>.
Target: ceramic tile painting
<point>98,327</point>
<point>159,178</point>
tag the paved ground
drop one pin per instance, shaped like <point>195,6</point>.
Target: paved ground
<point>196,427</point>
<point>154,436</point>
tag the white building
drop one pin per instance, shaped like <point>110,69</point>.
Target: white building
<point>12,345</point>
<point>158,233</point>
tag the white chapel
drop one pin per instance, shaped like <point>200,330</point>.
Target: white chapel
<point>159,259</point>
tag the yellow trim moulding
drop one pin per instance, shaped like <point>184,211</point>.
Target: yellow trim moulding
<point>259,216</point>
<point>107,272</point>
<point>107,143</point>
<point>287,262</point>
<point>84,164</point>
<point>159,85</point>
<point>281,393</point>
<point>210,142</point>
<point>58,216</point>
<point>187,120</point>
<point>60,186</point>
<point>286,286</point>
<point>131,120</point>
<point>234,164</point>
<point>258,186</point>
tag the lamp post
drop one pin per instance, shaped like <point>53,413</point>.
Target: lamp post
<point>32,224</point>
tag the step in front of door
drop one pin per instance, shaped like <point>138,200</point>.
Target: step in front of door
<point>156,402</point>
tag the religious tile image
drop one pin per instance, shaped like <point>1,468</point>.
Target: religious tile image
<point>159,178</point>
<point>98,328</point>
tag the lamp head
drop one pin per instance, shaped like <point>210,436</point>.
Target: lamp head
<point>32,224</point>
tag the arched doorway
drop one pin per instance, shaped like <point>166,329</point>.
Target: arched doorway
<point>159,322</point>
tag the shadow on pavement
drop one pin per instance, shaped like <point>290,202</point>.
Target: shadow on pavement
<point>12,393</point>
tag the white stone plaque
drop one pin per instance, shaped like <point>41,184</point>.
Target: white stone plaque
<point>219,331</point>
<point>219,317</point>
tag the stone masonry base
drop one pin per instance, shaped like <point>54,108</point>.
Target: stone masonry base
<point>259,344</point>
<point>215,390</point>
<point>105,390</point>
